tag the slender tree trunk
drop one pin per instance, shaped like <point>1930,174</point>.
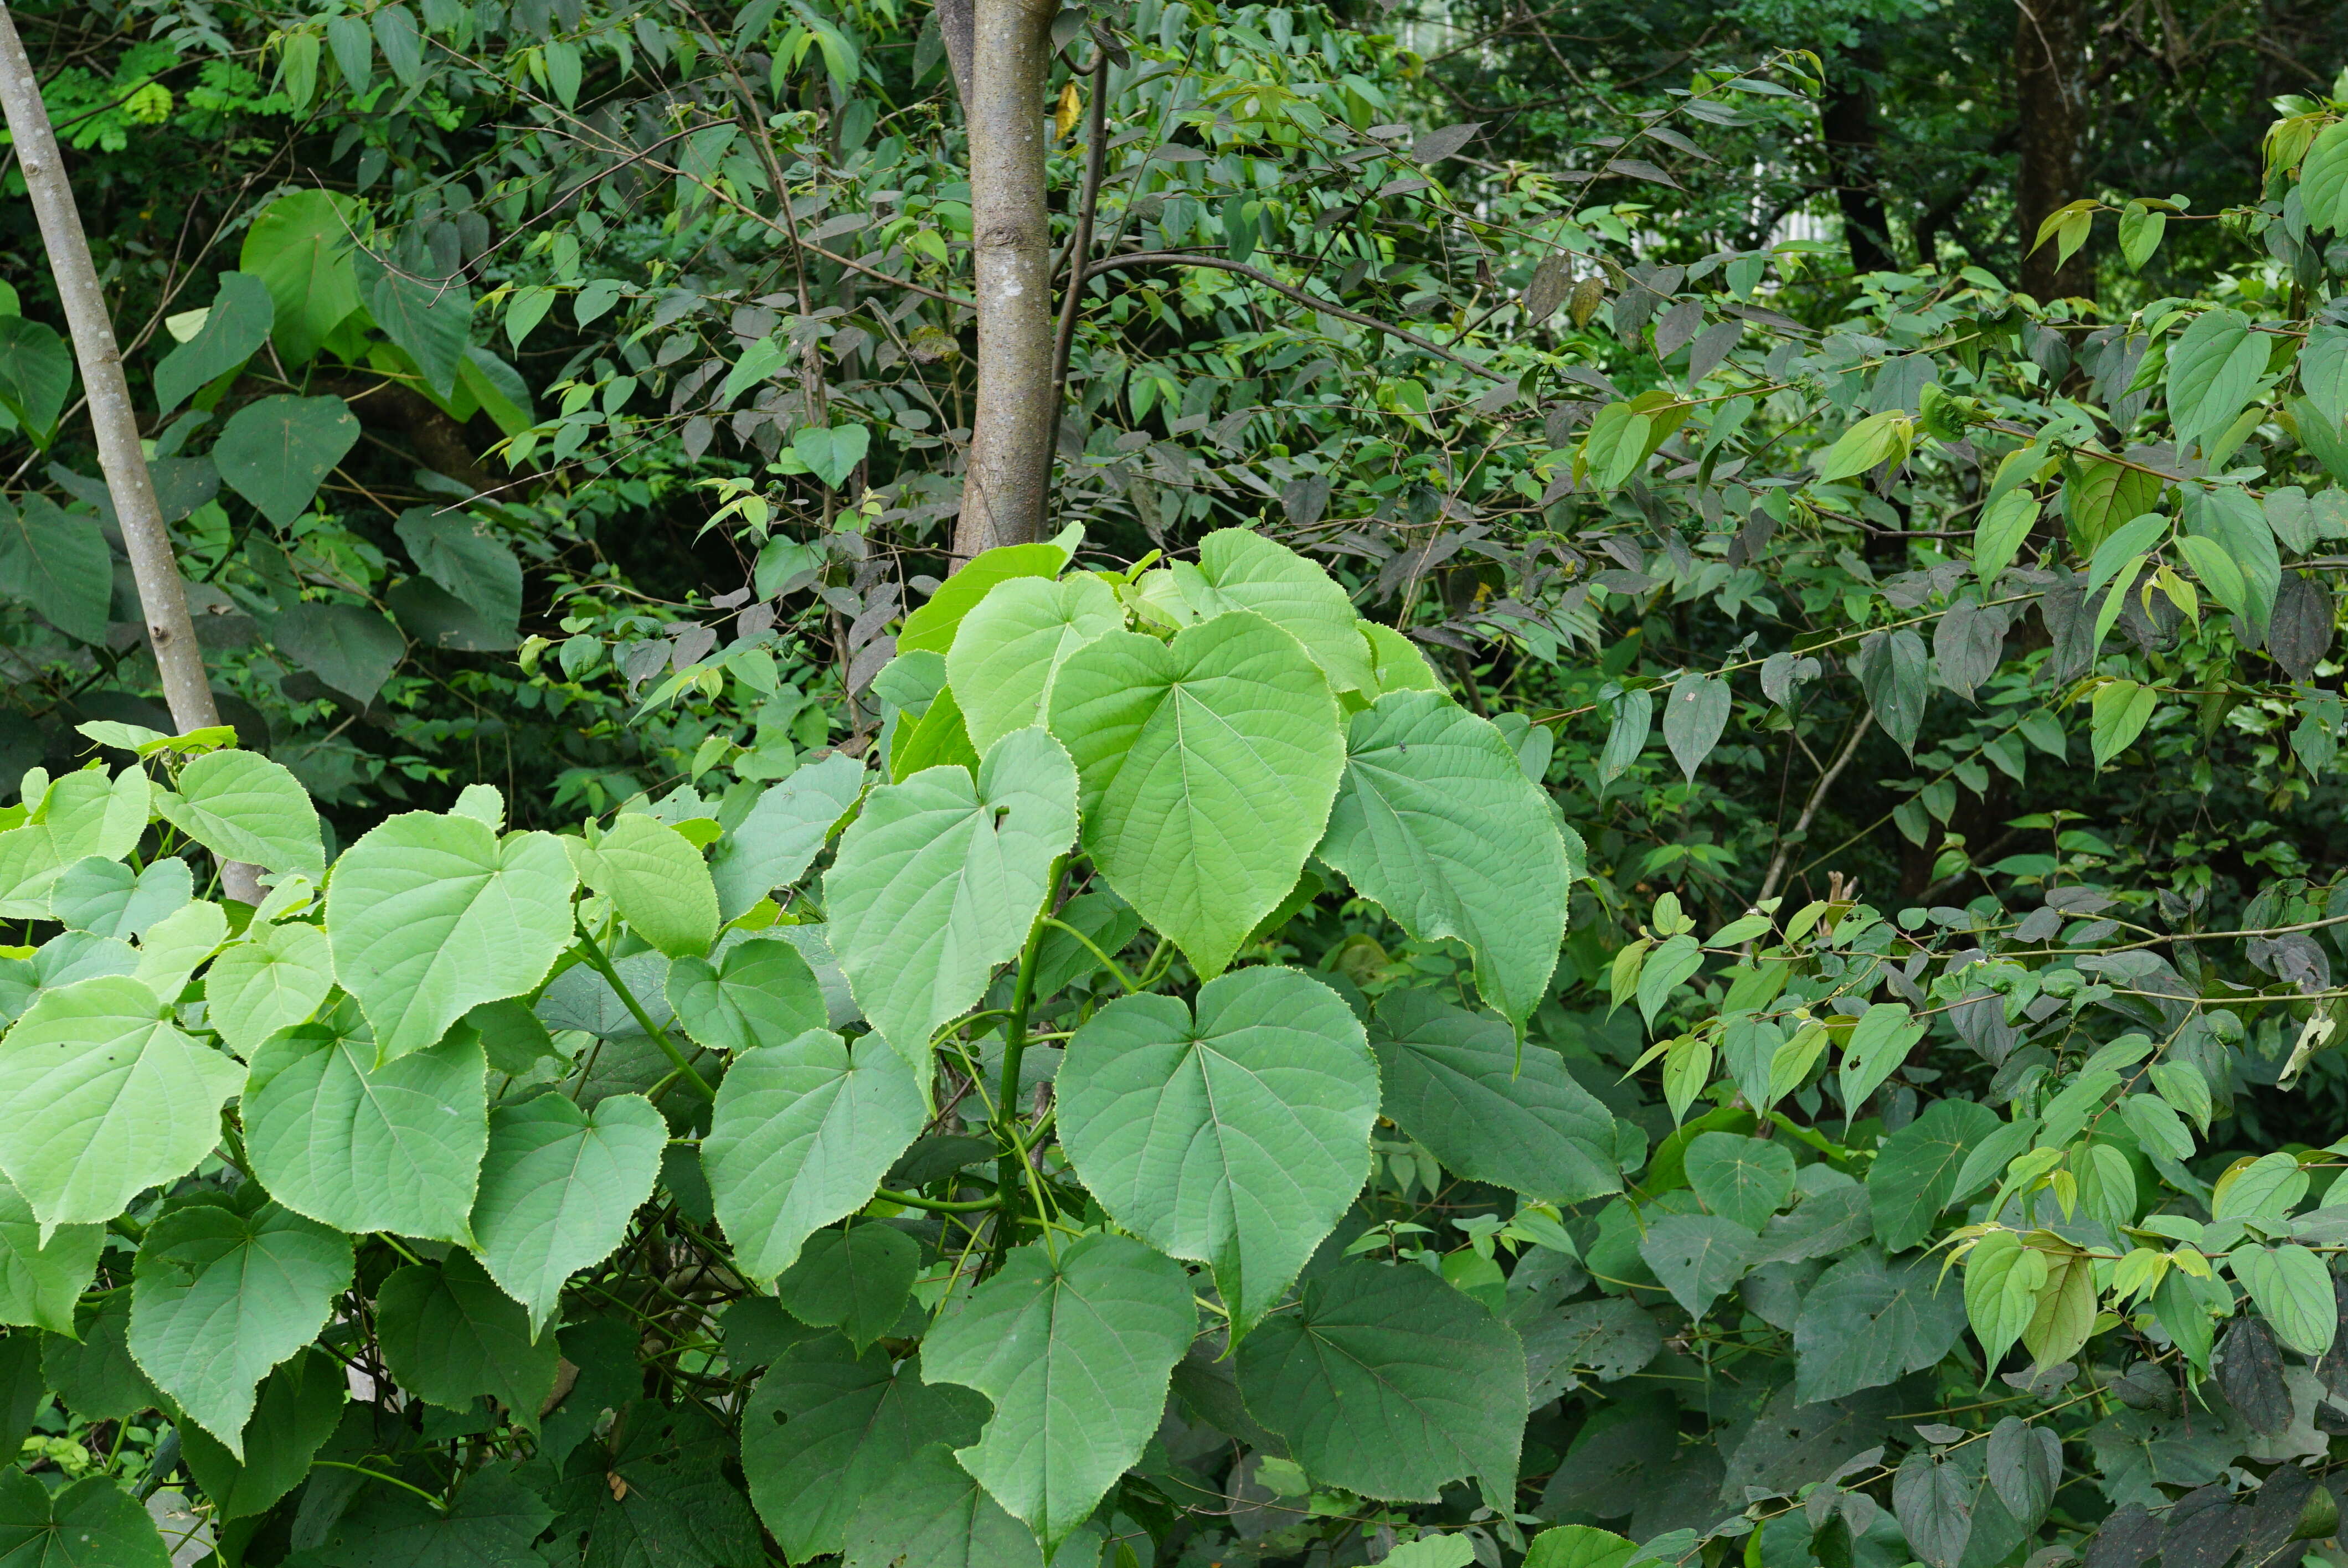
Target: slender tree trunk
<point>1846,125</point>
<point>162,596</point>
<point>1007,486</point>
<point>2050,78</point>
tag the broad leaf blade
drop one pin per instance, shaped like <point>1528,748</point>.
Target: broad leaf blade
<point>247,807</point>
<point>1007,655</point>
<point>558,1186</point>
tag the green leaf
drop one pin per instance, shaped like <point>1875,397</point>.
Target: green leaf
<point>1390,1383</point>
<point>1697,1256</point>
<point>1744,1179</point>
<point>1879,1043</point>
<point>1241,569</point>
<point>1007,655</point>
<point>299,1405</point>
<point>1895,672</point>
<point>465,555</point>
<point>107,899</point>
<point>244,806</point>
<point>449,1335</point>
<point>56,566</point>
<point>1578,1547</point>
<point>37,372</point>
<point>934,623</point>
<point>1075,1355</point>
<point>1238,1138</point>
<point>429,319</point>
<point>2238,525</point>
<point>438,619</point>
<point>276,451</point>
<point>365,1148</point>
<point>1675,960</point>
<point>657,879</point>
<point>938,880</point>
<point>1209,767</point>
<point>234,328</point>
<point>2213,368</point>
<point>1436,820</point>
<point>40,1282</point>
<point>1458,1083</point>
<point>430,915</point>
<point>856,1280</point>
<point>351,649</point>
<point>491,1523</point>
<point>2323,363</point>
<point>1877,440</point>
<point>763,993</point>
<point>558,1186</point>
<point>221,1294</point>
<point>1395,660</point>
<point>106,1097</point>
<point>93,1523</point>
<point>1867,1322</point>
<point>779,839</point>
<point>299,248</point>
<point>273,979</point>
<point>829,1426</point>
<point>937,1515</point>
<point>2118,713</point>
<point>2140,230</point>
<point>831,453</point>
<point>2293,1293</point>
<point>2323,178</point>
<point>97,1379</point>
<point>938,738</point>
<point>800,1136</point>
<point>1915,1171</point>
<point>1694,717</point>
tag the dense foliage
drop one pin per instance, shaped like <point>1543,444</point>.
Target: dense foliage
<point>1623,894</point>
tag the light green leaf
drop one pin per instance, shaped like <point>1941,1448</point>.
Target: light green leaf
<point>297,1410</point>
<point>1437,821</point>
<point>828,1426</point>
<point>1877,440</point>
<point>1237,1139</point>
<point>106,1097</point>
<point>2323,363</point>
<point>800,1136</point>
<point>558,1186</point>
<point>221,1294</point>
<point>2118,713</point>
<point>106,898</point>
<point>273,979</point>
<point>40,1282</point>
<point>1209,766</point>
<point>1395,661</point>
<point>938,738</point>
<point>82,815</point>
<point>432,915</point>
<point>2323,178</point>
<point>450,1334</point>
<point>762,993</point>
<point>173,946</point>
<point>365,1148</point>
<point>37,372</point>
<point>1008,653</point>
<point>1676,960</point>
<point>275,452</point>
<point>2213,368</point>
<point>831,453</point>
<point>1743,1179</point>
<point>300,246</point>
<point>780,837</point>
<point>93,1523</point>
<point>1578,1547</point>
<point>1076,1356</point>
<point>856,1280</point>
<point>938,880</point>
<point>2293,1293</point>
<point>1390,1383</point>
<point>1458,1083</point>
<point>1879,1043</point>
<point>657,879</point>
<point>934,623</point>
<point>1241,569</point>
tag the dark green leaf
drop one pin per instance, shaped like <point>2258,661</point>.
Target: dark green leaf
<point>1744,1179</point>
<point>277,451</point>
<point>1934,1501</point>
<point>351,649</point>
<point>856,1280</point>
<point>659,1497</point>
<point>300,1403</point>
<point>464,555</point>
<point>1867,1322</point>
<point>427,317</point>
<point>1696,1257</point>
<point>1915,1171</point>
<point>92,1523</point>
<point>95,1378</point>
<point>57,566</point>
<point>1894,671</point>
<point>1694,717</point>
<point>437,618</point>
<point>450,1334</point>
<point>490,1525</point>
<point>37,372</point>
<point>234,328</point>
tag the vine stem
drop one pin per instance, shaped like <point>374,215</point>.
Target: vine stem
<point>1013,1166</point>
<point>603,967</point>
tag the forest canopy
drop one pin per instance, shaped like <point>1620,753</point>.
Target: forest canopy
<point>1161,784</point>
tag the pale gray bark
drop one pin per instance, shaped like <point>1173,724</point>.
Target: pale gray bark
<point>1007,486</point>
<point>163,596</point>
